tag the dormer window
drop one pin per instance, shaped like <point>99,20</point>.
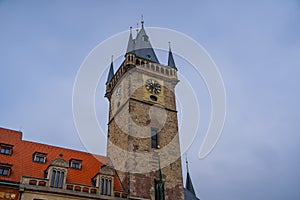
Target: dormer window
<point>5,169</point>
<point>106,186</point>
<point>104,180</point>
<point>39,157</point>
<point>6,149</point>
<point>57,178</point>
<point>75,164</point>
<point>57,172</point>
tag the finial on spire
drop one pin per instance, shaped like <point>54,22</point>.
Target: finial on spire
<point>130,29</point>
<point>187,163</point>
<point>111,70</point>
<point>142,21</point>
<point>188,184</point>
<point>137,28</point>
<point>169,46</point>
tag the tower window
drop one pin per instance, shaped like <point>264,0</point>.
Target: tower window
<point>6,149</point>
<point>167,72</point>
<point>154,137</point>
<point>157,69</point>
<point>39,157</point>
<point>75,164</point>
<point>152,67</point>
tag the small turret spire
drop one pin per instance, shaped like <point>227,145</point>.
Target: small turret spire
<point>111,70</point>
<point>130,46</point>
<point>171,62</point>
<point>188,184</point>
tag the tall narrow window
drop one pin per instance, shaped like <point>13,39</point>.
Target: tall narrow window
<point>57,179</point>
<point>108,187</point>
<point>61,179</point>
<point>154,142</point>
<point>53,178</point>
<point>102,185</point>
<point>105,186</point>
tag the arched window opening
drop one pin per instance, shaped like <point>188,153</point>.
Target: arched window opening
<point>152,67</point>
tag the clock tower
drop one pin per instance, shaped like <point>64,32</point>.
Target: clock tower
<point>143,141</point>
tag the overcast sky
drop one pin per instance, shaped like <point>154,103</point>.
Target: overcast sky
<point>255,44</point>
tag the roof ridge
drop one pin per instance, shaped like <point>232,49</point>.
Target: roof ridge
<point>65,148</point>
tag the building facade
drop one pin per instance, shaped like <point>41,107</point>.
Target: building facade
<point>30,170</point>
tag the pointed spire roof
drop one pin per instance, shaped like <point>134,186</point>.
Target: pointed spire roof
<point>141,46</point>
<point>111,71</point>
<point>189,185</point>
<point>171,62</point>
<point>130,46</point>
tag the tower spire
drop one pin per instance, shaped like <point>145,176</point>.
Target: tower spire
<point>130,46</point>
<point>143,48</point>
<point>111,70</point>
<point>171,62</point>
<point>189,185</point>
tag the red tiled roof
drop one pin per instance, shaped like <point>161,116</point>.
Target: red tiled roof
<point>22,164</point>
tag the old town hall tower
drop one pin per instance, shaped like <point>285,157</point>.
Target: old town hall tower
<point>143,141</point>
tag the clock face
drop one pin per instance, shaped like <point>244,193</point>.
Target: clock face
<point>153,86</point>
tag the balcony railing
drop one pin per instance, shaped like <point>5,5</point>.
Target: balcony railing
<point>69,188</point>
